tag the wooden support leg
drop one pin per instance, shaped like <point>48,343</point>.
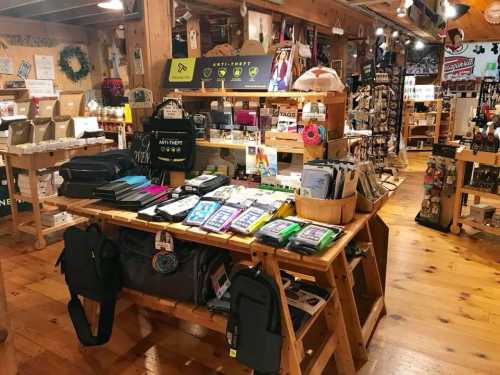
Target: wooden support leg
<point>336,324</point>
<point>13,202</point>
<point>40,242</point>
<point>7,359</point>
<point>291,358</point>
<point>379,232</point>
<point>350,312</point>
<point>457,207</point>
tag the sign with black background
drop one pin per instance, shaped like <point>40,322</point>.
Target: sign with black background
<point>237,72</point>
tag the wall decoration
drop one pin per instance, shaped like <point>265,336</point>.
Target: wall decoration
<point>39,88</point>
<point>471,60</point>
<point>66,55</point>
<point>140,98</point>
<point>138,61</point>
<point>30,41</point>
<point>44,67</point>
<point>423,62</point>
<point>281,70</point>
<point>6,65</point>
<point>261,160</point>
<point>455,39</point>
<point>24,69</point>
<point>260,28</point>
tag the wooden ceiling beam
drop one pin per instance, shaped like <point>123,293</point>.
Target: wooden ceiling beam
<point>368,2</point>
<point>99,18</point>
<point>7,5</point>
<point>50,7</point>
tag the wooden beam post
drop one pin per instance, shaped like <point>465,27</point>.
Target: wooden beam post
<point>153,34</point>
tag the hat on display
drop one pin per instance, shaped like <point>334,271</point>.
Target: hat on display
<point>319,79</point>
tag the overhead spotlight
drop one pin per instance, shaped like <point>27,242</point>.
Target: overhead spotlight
<point>402,9</point>
<point>111,5</point>
<point>355,55</point>
<point>450,11</point>
<point>395,34</point>
<point>407,41</point>
<point>379,31</point>
<point>401,12</point>
<point>419,45</point>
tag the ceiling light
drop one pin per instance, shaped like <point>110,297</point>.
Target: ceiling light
<point>395,34</point>
<point>379,31</point>
<point>419,45</point>
<point>408,3</point>
<point>111,4</point>
<point>407,41</point>
<point>401,12</point>
<point>492,13</point>
<point>355,55</point>
<point>449,11</point>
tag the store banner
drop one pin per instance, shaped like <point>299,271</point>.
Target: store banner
<point>237,72</point>
<point>469,61</point>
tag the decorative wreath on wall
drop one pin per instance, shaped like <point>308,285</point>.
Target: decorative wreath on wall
<point>66,55</point>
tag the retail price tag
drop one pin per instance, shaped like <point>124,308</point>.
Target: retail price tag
<point>164,241</point>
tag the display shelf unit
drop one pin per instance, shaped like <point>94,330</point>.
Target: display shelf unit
<point>335,102</point>
<point>447,124</point>
<point>464,157</point>
<point>413,132</point>
<point>14,93</point>
<point>32,163</point>
<point>348,329</point>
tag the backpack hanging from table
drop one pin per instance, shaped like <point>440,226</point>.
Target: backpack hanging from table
<point>173,141</point>
<point>254,324</point>
<point>91,267</point>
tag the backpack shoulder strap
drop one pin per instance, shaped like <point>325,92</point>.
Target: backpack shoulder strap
<point>82,325</point>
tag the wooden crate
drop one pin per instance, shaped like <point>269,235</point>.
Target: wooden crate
<point>284,140</point>
<point>71,104</point>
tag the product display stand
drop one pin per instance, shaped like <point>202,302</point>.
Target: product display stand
<point>331,270</point>
<point>417,128</point>
<point>32,163</point>
<point>468,156</point>
<point>7,360</point>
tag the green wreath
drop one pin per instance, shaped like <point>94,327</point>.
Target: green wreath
<point>66,55</point>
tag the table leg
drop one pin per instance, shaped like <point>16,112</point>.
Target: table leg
<point>40,242</point>
<point>13,203</point>
<point>350,311</point>
<point>457,207</point>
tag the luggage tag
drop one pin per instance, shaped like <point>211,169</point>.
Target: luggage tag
<point>220,281</point>
<point>201,212</point>
<point>165,260</point>
<point>220,221</point>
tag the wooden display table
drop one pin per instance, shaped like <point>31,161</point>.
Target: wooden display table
<point>350,320</point>
<point>32,163</point>
<point>468,156</point>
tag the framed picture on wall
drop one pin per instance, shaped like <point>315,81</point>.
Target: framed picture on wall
<point>133,9</point>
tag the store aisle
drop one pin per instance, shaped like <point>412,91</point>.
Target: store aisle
<point>443,302</point>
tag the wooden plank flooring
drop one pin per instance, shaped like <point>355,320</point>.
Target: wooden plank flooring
<point>443,309</point>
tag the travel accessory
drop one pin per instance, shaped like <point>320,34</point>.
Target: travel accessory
<point>205,183</point>
<point>117,189</point>
<point>190,281</point>
<point>201,124</point>
<point>250,220</point>
<point>313,238</point>
<point>63,127</point>
<point>314,111</point>
<point>151,213</point>
<point>91,267</point>
<point>311,135</point>
<point>254,324</point>
<point>220,221</point>
<point>201,212</point>
<point>143,197</point>
<point>277,232</point>
<point>178,209</point>
<point>222,114</point>
<point>316,182</point>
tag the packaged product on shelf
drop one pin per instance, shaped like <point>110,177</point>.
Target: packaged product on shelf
<point>277,232</point>
<point>201,212</point>
<point>313,238</point>
<point>221,220</point>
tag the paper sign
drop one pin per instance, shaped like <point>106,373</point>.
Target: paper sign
<point>138,61</point>
<point>40,88</point>
<point>6,65</point>
<point>24,70</point>
<point>44,66</point>
<point>141,98</point>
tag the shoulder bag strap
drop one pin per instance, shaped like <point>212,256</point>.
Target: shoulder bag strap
<point>82,325</point>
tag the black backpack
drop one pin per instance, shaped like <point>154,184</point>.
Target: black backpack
<point>254,324</point>
<point>191,280</point>
<point>173,141</point>
<point>91,267</point>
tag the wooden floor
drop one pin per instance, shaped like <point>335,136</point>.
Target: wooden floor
<point>443,303</point>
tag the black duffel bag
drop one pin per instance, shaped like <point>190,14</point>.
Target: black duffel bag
<point>91,267</point>
<point>83,174</point>
<point>191,280</point>
<point>173,141</point>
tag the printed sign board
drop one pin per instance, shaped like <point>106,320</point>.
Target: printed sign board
<point>469,61</point>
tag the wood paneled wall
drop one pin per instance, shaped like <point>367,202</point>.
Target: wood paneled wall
<point>64,35</point>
